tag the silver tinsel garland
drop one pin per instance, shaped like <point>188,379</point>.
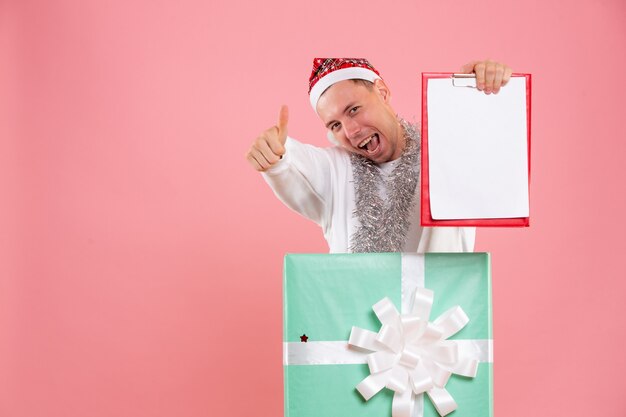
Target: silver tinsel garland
<point>384,225</point>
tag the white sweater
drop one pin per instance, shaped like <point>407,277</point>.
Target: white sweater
<point>318,184</point>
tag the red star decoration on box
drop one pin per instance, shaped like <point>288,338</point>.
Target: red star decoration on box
<point>304,338</point>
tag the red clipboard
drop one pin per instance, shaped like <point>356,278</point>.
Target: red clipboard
<point>426,216</point>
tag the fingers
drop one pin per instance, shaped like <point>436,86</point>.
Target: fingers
<point>283,119</point>
<point>255,164</point>
<point>490,75</point>
<point>261,157</point>
<point>480,69</point>
<point>274,142</point>
<point>266,150</point>
<point>468,68</point>
<point>507,75</point>
<point>497,82</point>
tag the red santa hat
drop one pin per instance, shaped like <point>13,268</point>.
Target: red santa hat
<point>328,71</point>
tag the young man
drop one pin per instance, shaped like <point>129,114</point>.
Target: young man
<point>363,192</point>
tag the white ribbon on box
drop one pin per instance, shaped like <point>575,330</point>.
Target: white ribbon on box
<point>409,354</point>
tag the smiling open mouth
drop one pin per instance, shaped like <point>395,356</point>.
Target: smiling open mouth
<point>370,144</point>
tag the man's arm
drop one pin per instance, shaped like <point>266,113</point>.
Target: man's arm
<point>298,174</point>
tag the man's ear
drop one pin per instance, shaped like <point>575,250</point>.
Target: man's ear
<point>382,90</point>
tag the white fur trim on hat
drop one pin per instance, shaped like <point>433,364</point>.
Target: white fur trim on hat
<point>353,73</point>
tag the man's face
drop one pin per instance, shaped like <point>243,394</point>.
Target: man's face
<point>362,120</point>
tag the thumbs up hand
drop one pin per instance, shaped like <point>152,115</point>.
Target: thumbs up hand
<point>269,147</point>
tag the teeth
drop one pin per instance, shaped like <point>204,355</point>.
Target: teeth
<point>366,141</point>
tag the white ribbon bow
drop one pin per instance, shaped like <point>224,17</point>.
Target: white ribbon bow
<point>411,355</point>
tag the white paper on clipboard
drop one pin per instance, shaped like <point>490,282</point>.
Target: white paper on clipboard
<point>477,151</point>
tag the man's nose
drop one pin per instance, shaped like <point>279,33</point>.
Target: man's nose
<point>351,128</point>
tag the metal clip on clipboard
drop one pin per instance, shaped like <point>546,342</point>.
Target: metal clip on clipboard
<point>464,80</point>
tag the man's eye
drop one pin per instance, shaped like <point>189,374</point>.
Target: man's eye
<point>335,126</point>
<point>353,109</point>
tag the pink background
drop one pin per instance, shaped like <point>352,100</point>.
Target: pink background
<point>140,256</point>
